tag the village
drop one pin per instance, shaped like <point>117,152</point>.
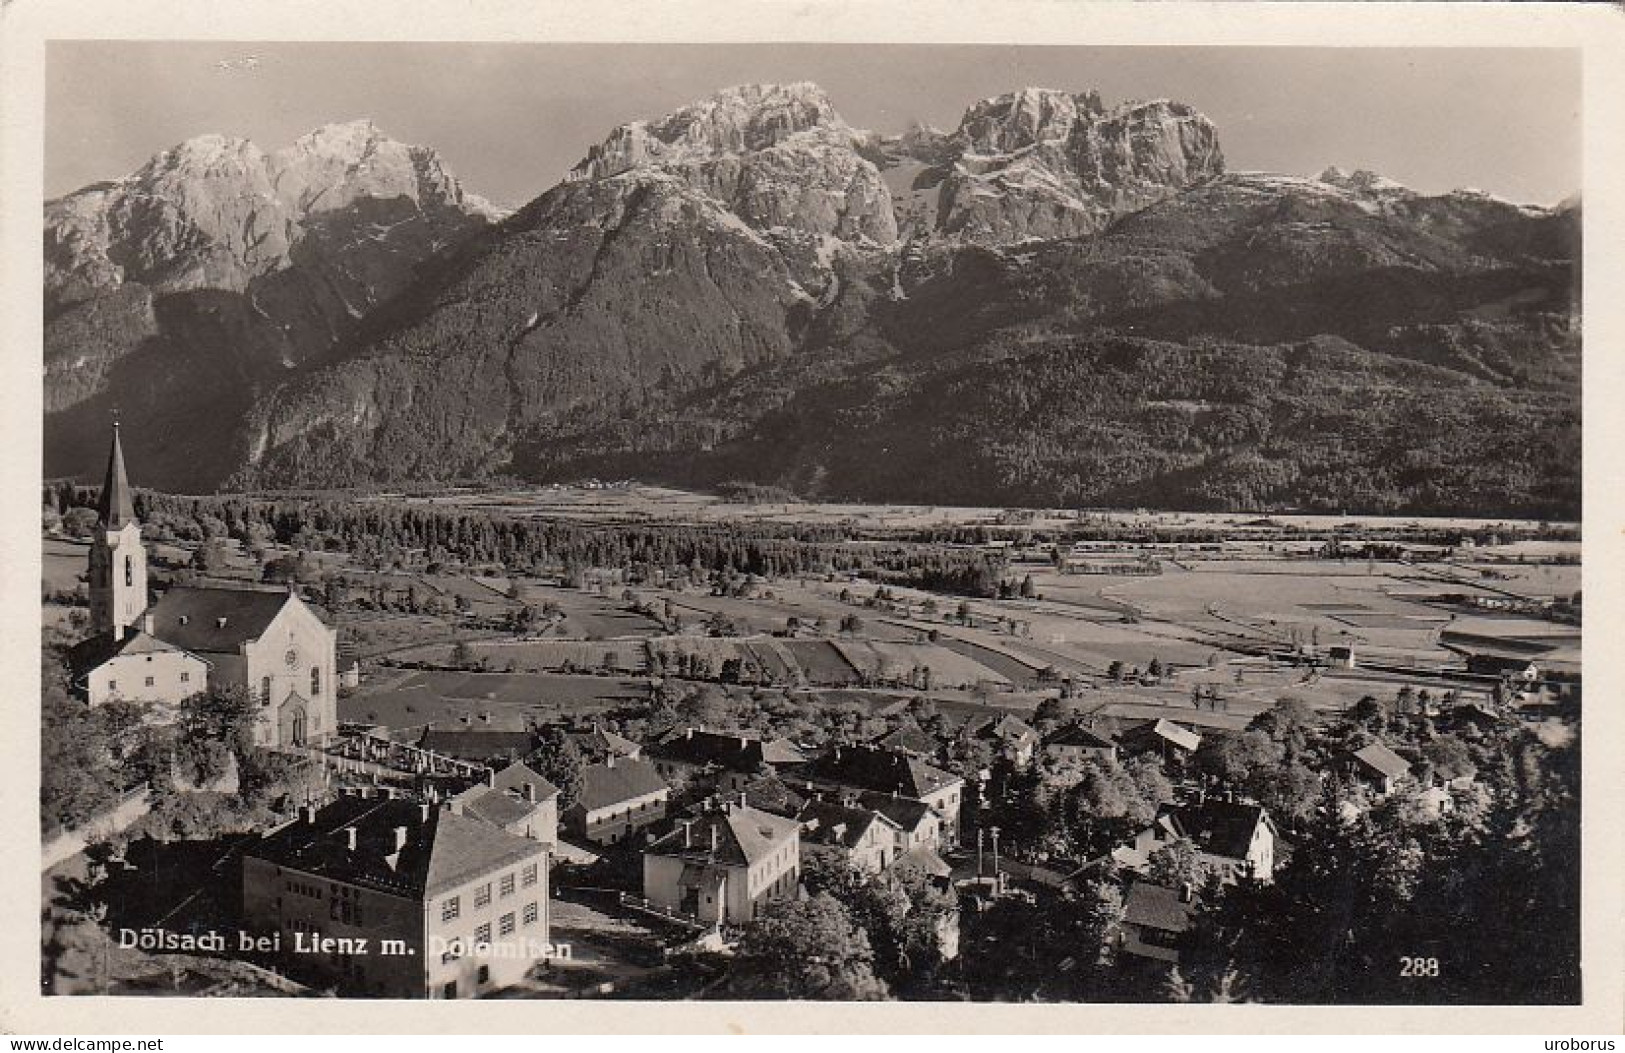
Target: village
<point>826,753</point>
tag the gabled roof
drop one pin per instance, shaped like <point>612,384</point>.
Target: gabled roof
<point>906,813</point>
<point>441,850</point>
<point>116,505</point>
<point>1169,732</point>
<point>730,750</point>
<point>1155,907</point>
<point>873,768</point>
<point>782,751</point>
<point>924,859</point>
<point>1219,828</point>
<point>1383,761</point>
<point>616,781</point>
<point>1081,737</point>
<point>908,739</point>
<point>772,794</point>
<point>743,836</point>
<point>86,655</point>
<point>1006,729</point>
<point>205,620</point>
<point>512,794</point>
<point>828,822</point>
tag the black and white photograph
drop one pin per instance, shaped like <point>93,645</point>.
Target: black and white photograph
<point>706,521</point>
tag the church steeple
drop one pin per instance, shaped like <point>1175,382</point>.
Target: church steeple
<point>116,506</point>
<point>118,560</point>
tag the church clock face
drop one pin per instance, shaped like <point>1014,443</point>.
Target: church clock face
<point>292,658</point>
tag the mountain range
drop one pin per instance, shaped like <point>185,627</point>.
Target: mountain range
<point>1058,302</point>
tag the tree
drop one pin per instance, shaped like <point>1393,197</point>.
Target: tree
<point>462,656</point>
<point>1177,864</point>
<point>558,759</point>
<point>805,950</point>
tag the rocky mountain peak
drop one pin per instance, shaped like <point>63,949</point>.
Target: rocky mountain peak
<point>1019,119</point>
<point>737,120</point>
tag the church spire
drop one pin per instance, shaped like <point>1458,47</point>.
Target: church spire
<point>116,506</point>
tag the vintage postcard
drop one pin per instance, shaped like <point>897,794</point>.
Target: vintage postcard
<point>1054,512</point>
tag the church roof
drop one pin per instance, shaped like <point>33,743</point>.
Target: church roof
<point>116,506</point>
<point>214,619</point>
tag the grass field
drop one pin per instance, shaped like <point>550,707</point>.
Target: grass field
<point>449,699</point>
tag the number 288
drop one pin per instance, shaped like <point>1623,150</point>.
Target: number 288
<point>1419,967</point>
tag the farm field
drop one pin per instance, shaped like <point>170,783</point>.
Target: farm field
<point>499,701</point>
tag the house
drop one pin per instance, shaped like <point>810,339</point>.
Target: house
<point>864,838</point>
<point>908,738</point>
<point>1378,767</point>
<point>1340,656</point>
<point>136,667</point>
<point>1511,667</point>
<point>1011,738</point>
<point>617,798</point>
<point>599,743</point>
<point>1163,738</point>
<point>517,800</point>
<point>724,866</point>
<point>871,769</point>
<point>388,897</point>
<point>727,760</point>
<point>1237,840</point>
<point>478,745</point>
<point>266,643</point>
<point>919,826</point>
<point>1155,921</point>
<point>1076,743</point>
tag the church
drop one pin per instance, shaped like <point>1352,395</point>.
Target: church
<point>268,643</point>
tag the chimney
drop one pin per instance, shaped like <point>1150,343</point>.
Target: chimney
<point>743,802</point>
<point>688,733</point>
<point>400,838</point>
<point>609,762</point>
<point>220,623</point>
<point>423,812</point>
<point>530,792</point>
<point>1187,892</point>
<point>350,837</point>
<point>146,623</point>
<point>713,839</point>
<point>744,743</point>
<point>308,813</point>
<point>491,777</point>
<point>688,833</point>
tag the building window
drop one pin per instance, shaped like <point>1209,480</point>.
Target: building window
<point>531,913</point>
<point>482,935</point>
<point>450,909</point>
<point>484,975</point>
<point>528,875</point>
<point>450,990</point>
<point>506,888</point>
<point>505,925</point>
<point>482,895</point>
<point>129,570</point>
<point>265,691</point>
<point>186,676</point>
<point>149,681</point>
<point>315,680</point>
<point>112,685</point>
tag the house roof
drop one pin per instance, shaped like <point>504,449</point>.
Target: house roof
<point>116,506</point>
<point>731,750</point>
<point>743,835</point>
<point>829,822</point>
<point>772,794</point>
<point>1383,761</point>
<point>1156,907</point>
<point>505,799</point>
<point>215,620</point>
<point>924,859</point>
<point>441,850</point>
<point>1079,736</point>
<point>476,744</point>
<point>908,739</point>
<point>1169,732</point>
<point>782,751</point>
<point>907,814</point>
<point>1220,828</point>
<point>86,655</point>
<point>1006,729</point>
<point>866,767</point>
<point>615,781</point>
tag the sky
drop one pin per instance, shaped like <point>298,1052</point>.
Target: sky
<point>510,119</point>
